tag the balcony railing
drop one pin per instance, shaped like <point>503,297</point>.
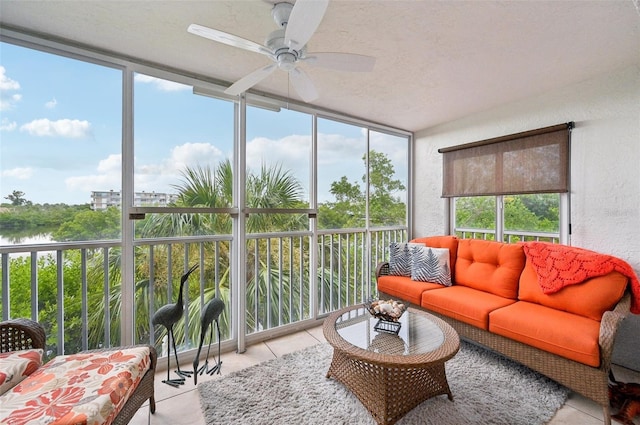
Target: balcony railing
<point>509,236</point>
<point>74,289</point>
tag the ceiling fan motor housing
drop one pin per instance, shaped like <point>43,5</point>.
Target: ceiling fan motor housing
<point>285,57</point>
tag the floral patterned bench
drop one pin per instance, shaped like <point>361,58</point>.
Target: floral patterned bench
<point>92,387</point>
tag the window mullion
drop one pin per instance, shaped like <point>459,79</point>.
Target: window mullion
<point>500,218</point>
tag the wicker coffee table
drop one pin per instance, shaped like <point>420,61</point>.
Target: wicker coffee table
<point>390,374</point>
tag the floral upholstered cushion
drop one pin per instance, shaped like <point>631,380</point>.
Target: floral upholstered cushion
<point>83,388</point>
<point>17,365</point>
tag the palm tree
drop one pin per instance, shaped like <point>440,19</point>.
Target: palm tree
<point>272,187</point>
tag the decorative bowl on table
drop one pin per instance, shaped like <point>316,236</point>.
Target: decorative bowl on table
<point>387,310</point>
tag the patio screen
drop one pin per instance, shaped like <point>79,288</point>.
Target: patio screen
<point>535,161</point>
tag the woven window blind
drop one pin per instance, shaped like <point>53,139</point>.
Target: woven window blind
<point>535,161</point>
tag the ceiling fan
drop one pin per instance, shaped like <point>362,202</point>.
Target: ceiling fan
<point>287,47</point>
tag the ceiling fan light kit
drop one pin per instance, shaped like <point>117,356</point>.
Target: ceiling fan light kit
<point>287,47</point>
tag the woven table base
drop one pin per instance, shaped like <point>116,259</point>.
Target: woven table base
<point>388,393</point>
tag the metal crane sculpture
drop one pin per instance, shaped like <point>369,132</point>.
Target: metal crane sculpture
<point>210,314</point>
<point>167,316</point>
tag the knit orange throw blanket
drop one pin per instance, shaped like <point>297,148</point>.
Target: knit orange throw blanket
<point>560,265</point>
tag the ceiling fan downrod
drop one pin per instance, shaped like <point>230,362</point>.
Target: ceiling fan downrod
<point>281,12</point>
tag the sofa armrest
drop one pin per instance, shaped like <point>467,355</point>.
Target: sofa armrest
<point>382,269</point>
<point>609,325</point>
<point>21,334</point>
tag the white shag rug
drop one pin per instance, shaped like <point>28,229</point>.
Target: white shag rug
<point>487,389</point>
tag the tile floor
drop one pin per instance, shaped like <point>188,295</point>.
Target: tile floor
<point>177,406</point>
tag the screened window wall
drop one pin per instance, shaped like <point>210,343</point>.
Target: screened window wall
<point>120,177</point>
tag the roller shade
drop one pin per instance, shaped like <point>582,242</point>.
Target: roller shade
<point>534,161</point>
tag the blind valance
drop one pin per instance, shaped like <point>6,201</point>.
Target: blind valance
<point>534,161</point>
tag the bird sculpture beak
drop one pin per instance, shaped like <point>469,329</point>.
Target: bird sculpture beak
<point>186,275</point>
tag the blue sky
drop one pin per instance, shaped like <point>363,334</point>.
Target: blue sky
<point>61,132</point>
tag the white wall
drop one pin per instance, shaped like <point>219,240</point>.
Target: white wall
<point>605,158</point>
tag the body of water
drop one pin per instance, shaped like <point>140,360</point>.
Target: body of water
<point>43,238</point>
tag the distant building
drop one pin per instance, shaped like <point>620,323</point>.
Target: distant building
<point>101,200</point>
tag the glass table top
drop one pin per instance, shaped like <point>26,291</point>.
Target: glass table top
<point>417,335</point>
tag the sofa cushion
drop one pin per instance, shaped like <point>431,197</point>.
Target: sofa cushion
<point>17,365</point>
<point>489,266</point>
<point>430,265</point>
<point>405,288</point>
<point>449,242</point>
<point>466,304</point>
<point>565,334</point>
<point>589,299</point>
<point>90,387</point>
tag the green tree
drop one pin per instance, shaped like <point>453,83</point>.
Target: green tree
<point>476,212</point>
<point>531,212</point>
<point>349,207</point>
<point>31,219</point>
<point>21,296</point>
<point>17,198</point>
<point>204,187</point>
<point>385,208</point>
<point>90,225</point>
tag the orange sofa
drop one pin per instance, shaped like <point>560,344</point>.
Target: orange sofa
<point>495,299</point>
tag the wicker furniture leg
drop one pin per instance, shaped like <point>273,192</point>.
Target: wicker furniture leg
<point>388,392</point>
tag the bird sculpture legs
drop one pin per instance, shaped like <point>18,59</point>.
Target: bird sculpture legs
<point>183,374</point>
<point>204,368</point>
<point>210,314</point>
<point>177,381</point>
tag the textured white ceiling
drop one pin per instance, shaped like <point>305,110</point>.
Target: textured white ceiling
<point>436,60</point>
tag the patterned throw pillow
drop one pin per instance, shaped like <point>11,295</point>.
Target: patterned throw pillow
<point>430,265</point>
<point>400,258</point>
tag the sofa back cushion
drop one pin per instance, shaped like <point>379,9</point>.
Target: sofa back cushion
<point>448,242</point>
<point>590,298</point>
<point>489,266</point>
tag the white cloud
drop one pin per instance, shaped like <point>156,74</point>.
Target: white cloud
<point>6,125</point>
<point>336,149</point>
<point>93,182</point>
<point>74,129</point>
<point>191,154</point>
<point>7,83</point>
<point>290,151</point>
<point>20,173</point>
<point>159,176</point>
<point>112,164</point>
<point>51,104</point>
<point>108,176</point>
<point>160,84</point>
<point>8,103</point>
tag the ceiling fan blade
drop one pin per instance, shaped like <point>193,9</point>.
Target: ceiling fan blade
<point>303,22</point>
<point>303,85</point>
<point>248,81</point>
<point>229,39</point>
<point>341,61</point>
